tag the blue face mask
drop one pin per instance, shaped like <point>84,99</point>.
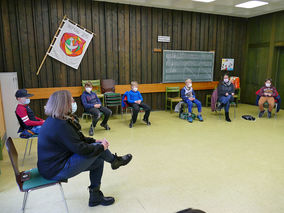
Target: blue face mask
<point>27,101</point>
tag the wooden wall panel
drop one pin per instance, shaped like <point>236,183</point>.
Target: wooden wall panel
<point>123,46</point>
<point>265,37</point>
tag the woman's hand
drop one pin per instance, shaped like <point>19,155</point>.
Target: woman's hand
<point>227,94</point>
<point>105,143</point>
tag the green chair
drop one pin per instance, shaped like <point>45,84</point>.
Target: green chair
<point>172,100</point>
<point>131,110</point>
<point>96,88</point>
<point>29,180</point>
<point>232,104</point>
<point>237,95</point>
<point>113,100</point>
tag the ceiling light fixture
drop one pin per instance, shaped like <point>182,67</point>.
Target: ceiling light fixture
<point>205,1</point>
<point>251,4</point>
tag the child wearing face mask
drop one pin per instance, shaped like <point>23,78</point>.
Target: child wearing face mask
<point>135,100</point>
<point>25,115</point>
<point>267,94</point>
<point>226,92</point>
<point>93,105</point>
<point>188,96</point>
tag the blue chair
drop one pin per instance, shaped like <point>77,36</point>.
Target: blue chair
<point>29,180</point>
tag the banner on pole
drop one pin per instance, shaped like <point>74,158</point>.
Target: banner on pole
<point>71,44</point>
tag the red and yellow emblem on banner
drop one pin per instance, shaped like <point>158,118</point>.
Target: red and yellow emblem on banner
<point>72,45</point>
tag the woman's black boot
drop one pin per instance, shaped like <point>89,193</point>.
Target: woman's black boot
<point>98,198</point>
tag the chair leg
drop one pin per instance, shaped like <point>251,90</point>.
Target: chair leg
<point>235,111</point>
<point>25,201</point>
<point>31,146</point>
<point>171,106</point>
<point>62,193</point>
<point>27,144</point>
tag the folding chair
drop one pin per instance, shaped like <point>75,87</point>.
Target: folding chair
<point>29,180</point>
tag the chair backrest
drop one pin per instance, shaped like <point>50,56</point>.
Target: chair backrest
<point>13,155</point>
<point>112,99</point>
<point>124,102</point>
<point>22,125</point>
<point>96,85</point>
<point>172,89</point>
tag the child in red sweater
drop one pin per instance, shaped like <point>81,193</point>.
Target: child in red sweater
<point>25,115</point>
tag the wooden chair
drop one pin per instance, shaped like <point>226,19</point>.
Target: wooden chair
<point>172,99</point>
<point>29,180</point>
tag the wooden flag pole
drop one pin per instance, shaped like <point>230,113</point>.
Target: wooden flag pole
<point>54,37</point>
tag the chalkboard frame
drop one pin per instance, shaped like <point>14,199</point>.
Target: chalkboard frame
<point>187,51</point>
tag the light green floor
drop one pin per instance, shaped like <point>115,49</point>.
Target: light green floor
<point>215,166</point>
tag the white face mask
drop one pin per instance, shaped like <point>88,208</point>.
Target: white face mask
<point>267,84</point>
<point>135,89</point>
<point>226,80</point>
<point>189,85</point>
<point>25,100</point>
<point>74,107</point>
<point>88,89</point>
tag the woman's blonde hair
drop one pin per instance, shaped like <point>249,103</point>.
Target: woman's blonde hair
<point>59,104</point>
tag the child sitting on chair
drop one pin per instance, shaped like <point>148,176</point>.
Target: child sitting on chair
<point>135,100</point>
<point>267,94</point>
<point>188,96</point>
<point>25,115</point>
<point>93,105</point>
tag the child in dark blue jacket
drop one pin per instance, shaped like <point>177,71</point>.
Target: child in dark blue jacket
<point>135,100</point>
<point>188,96</point>
<point>93,105</point>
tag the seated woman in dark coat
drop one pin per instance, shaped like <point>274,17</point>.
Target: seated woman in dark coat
<point>226,92</point>
<point>64,152</point>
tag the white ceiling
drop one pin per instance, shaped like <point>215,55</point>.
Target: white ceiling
<point>221,7</point>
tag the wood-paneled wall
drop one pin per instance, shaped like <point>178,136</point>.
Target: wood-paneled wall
<point>265,38</point>
<point>123,47</point>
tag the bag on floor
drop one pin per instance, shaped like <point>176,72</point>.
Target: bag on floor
<point>248,117</point>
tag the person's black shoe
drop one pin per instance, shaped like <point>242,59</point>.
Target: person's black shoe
<point>261,114</point>
<point>105,126</point>
<point>120,161</point>
<point>91,130</point>
<point>131,124</point>
<point>227,117</point>
<point>147,122</point>
<point>268,114</point>
<point>98,198</point>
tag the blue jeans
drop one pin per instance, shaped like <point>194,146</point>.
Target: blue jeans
<point>226,101</point>
<point>189,105</point>
<point>78,163</point>
<point>36,129</point>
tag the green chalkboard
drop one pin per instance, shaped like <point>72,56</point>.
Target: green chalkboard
<point>179,65</point>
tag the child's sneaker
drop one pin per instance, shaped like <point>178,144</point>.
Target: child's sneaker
<point>268,114</point>
<point>261,114</point>
<point>147,122</point>
<point>200,117</point>
<point>189,119</point>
